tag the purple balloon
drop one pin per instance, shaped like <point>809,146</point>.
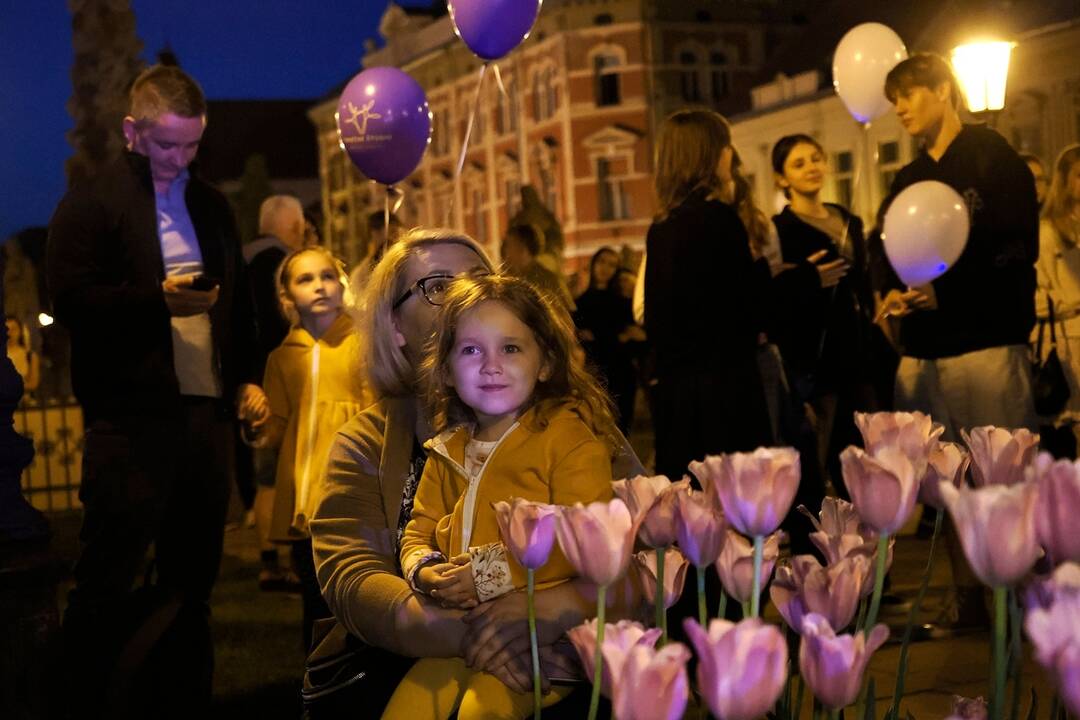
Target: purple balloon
<point>384,123</point>
<point>492,28</point>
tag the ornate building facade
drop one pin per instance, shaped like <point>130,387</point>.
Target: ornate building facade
<point>583,96</point>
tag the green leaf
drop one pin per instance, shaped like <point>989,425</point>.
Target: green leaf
<point>871,710</point>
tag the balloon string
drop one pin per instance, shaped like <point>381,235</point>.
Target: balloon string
<point>390,208</point>
<point>499,82</point>
<point>468,134</point>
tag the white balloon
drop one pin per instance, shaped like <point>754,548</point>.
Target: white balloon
<point>863,57</point>
<point>926,230</point>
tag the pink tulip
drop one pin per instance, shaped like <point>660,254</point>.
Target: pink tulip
<point>736,564</point>
<point>755,489</point>
<point>996,525</point>
<point>883,486</point>
<point>869,551</point>
<point>914,434</point>
<point>1000,456</point>
<point>839,532</point>
<point>1067,672</point>
<point>619,639</point>
<point>597,539</point>
<point>968,709</point>
<point>700,527</point>
<point>1055,625</point>
<point>653,684</point>
<point>652,503</point>
<point>803,586</point>
<point>833,665</point>
<point>1057,507</point>
<point>675,566</point>
<point>528,529</point>
<point>948,462</point>
<point>742,668</point>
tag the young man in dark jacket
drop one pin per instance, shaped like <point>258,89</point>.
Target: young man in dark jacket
<point>145,271</point>
<point>964,336</point>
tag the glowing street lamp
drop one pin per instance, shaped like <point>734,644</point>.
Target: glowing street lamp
<point>983,69</point>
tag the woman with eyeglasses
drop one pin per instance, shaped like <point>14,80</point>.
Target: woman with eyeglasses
<point>705,297</point>
<point>374,467</point>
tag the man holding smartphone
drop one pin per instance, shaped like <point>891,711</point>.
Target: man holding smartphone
<point>145,271</point>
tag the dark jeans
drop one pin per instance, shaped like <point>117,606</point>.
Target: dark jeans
<point>161,481</point>
<point>314,605</point>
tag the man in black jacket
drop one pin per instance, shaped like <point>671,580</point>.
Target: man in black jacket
<point>964,336</point>
<point>145,271</point>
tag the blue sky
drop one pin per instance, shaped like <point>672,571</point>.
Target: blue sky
<point>237,49</point>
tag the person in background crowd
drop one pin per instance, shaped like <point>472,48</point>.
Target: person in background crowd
<point>379,237</point>
<point>1038,171</point>
<point>26,361</point>
<point>375,465</point>
<point>282,229</point>
<point>608,333</point>
<point>313,387</point>
<point>964,337</point>
<point>705,300</point>
<point>520,248</point>
<point>1058,272</point>
<point>145,272</point>
<point>823,304</point>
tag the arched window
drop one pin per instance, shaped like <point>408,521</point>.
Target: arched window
<point>691,89</point>
<point>719,83</point>
<point>606,78</point>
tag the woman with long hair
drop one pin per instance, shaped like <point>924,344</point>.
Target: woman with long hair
<point>705,298</point>
<point>608,333</point>
<point>822,312</point>
<point>1058,272</point>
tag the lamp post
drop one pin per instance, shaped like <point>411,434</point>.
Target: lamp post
<point>982,68</point>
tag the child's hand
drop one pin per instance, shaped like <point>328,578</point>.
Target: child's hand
<point>252,405</point>
<point>449,583</point>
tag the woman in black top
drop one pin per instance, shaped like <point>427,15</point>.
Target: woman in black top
<point>607,331</point>
<point>705,298</point>
<point>822,301</point>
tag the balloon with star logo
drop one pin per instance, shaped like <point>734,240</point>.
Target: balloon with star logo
<point>384,123</point>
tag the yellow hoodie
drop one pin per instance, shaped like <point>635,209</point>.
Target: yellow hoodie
<point>314,388</point>
<point>562,464</point>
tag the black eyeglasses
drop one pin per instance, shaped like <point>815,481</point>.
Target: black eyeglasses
<point>433,288</point>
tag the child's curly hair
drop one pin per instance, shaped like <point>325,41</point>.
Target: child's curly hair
<point>553,329</point>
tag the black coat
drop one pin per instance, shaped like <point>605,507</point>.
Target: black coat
<point>822,333</point>
<point>705,296</point>
<point>105,268</point>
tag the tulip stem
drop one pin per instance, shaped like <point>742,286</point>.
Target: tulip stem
<point>913,614</point>
<point>755,589</point>
<point>530,591</point>
<point>834,715</point>
<point>721,610</point>
<point>661,606</point>
<point>1016,619</point>
<point>800,689</point>
<point>997,708</point>
<point>598,655</point>
<point>701,611</point>
<point>879,582</point>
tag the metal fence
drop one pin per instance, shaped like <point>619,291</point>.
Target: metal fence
<point>55,425</point>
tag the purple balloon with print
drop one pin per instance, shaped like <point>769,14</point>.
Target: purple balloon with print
<point>492,28</point>
<point>384,123</point>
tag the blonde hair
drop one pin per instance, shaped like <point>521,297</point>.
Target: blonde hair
<point>1059,205</point>
<point>161,89</point>
<point>550,323</point>
<point>688,149</point>
<point>284,274</point>
<point>390,373</point>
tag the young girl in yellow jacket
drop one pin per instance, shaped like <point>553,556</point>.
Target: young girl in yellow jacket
<point>519,417</point>
<point>312,387</point>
